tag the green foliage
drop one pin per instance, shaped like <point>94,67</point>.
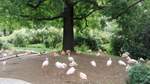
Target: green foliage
<point>133,36</point>
<point>94,39</point>
<point>20,38</point>
<point>51,37</point>
<point>36,46</point>
<point>139,74</point>
<point>4,43</point>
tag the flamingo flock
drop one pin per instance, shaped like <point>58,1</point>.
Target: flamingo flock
<point>72,63</point>
<point>71,67</point>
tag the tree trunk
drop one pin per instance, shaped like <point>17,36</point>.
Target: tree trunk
<point>68,34</point>
<point>4,32</point>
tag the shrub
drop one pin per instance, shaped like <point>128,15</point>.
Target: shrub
<point>87,42</point>
<point>20,38</point>
<point>94,39</point>
<point>4,43</point>
<point>139,74</point>
<point>117,42</point>
<point>51,37</point>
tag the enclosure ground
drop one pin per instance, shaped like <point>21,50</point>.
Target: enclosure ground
<point>28,68</point>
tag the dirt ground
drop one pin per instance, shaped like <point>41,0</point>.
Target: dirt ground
<point>28,68</point>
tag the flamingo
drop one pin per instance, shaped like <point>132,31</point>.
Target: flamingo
<point>98,54</point>
<point>70,58</point>
<point>63,53</point>
<point>109,62</point>
<point>141,59</point>
<point>56,54</point>
<point>93,63</point>
<point>60,65</point>
<point>121,63</point>
<point>4,54</point>
<point>45,63</point>
<point>73,64</point>
<point>71,71</point>
<point>126,54</point>
<point>131,61</point>
<point>83,76</point>
<point>4,64</point>
<point>68,52</point>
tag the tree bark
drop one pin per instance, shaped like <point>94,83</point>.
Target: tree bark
<point>68,34</point>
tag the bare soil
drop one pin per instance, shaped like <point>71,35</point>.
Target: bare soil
<point>28,68</point>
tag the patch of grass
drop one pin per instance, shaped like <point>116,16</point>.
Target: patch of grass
<point>36,48</point>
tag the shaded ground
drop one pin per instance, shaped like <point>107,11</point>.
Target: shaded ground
<point>28,68</point>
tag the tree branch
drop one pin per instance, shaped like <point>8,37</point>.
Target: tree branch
<point>123,12</point>
<point>41,18</point>
<point>30,4</point>
<point>85,16</point>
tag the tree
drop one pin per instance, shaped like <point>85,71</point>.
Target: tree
<point>134,27</point>
<point>69,11</point>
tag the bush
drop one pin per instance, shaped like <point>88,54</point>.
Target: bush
<point>20,38</point>
<point>139,74</point>
<point>4,43</point>
<point>93,39</point>
<point>87,42</point>
<point>51,37</point>
<point>117,42</point>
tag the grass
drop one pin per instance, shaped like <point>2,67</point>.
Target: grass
<point>36,48</point>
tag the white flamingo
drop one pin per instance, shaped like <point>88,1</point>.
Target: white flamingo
<point>73,64</point>
<point>68,52</point>
<point>60,65</point>
<point>55,54</point>
<point>70,58</point>
<point>93,63</point>
<point>63,53</point>
<point>71,71</point>
<point>131,61</point>
<point>5,54</point>
<point>141,59</point>
<point>64,65</point>
<point>126,54</point>
<point>83,76</point>
<point>120,62</point>
<point>109,62</point>
<point>98,54</point>
<point>45,63</point>
<point>4,63</point>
